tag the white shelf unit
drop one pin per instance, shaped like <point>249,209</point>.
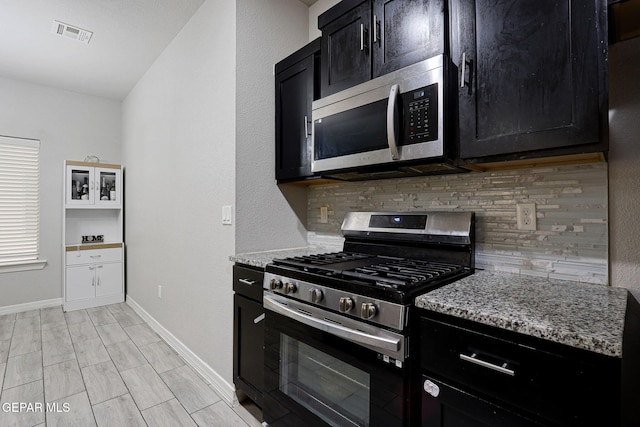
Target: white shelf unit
<point>93,273</point>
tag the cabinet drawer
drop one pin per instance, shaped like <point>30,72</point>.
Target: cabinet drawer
<point>248,282</point>
<point>89,256</point>
<point>562,389</point>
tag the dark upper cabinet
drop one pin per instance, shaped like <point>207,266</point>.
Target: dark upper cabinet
<point>296,87</point>
<point>532,77</point>
<point>405,32</point>
<point>362,40</point>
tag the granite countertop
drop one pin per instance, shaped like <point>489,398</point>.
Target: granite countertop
<point>586,316</point>
<point>261,259</point>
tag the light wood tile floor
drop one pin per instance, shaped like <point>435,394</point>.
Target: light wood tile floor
<point>102,366</point>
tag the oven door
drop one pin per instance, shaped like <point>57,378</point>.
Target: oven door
<point>315,378</point>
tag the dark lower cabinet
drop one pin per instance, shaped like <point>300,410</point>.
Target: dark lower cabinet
<point>297,86</point>
<point>532,77</point>
<point>476,375</point>
<point>248,332</point>
<point>448,406</point>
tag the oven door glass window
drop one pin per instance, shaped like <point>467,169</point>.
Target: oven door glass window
<point>332,389</point>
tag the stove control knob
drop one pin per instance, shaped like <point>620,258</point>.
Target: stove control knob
<point>346,304</point>
<point>316,294</point>
<point>368,310</point>
<point>290,288</point>
<point>275,284</point>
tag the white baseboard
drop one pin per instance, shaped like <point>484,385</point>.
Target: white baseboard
<point>222,387</point>
<point>35,305</point>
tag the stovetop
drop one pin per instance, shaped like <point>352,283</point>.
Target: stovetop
<point>388,256</point>
<point>384,277</point>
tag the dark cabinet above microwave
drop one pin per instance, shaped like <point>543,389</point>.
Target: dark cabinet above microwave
<point>362,40</point>
<point>296,87</point>
<point>532,77</point>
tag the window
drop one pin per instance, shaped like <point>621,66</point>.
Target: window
<point>19,204</point>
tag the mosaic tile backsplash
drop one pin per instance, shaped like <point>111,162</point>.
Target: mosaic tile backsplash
<point>570,241</point>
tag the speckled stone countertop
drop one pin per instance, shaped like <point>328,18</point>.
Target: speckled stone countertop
<point>261,259</point>
<point>586,316</point>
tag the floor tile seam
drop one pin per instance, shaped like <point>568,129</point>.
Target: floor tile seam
<point>24,384</point>
<point>119,375</point>
<point>91,404</point>
<point>84,384</point>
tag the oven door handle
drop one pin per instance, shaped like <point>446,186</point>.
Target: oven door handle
<point>382,342</point>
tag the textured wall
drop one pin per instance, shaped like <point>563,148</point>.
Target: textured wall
<point>267,216</point>
<point>179,157</point>
<point>571,203</point>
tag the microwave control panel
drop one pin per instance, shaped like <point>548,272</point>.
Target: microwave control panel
<point>421,115</point>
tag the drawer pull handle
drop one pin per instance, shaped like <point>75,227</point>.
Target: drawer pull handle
<point>247,282</point>
<point>95,256</point>
<point>473,359</point>
<point>258,319</point>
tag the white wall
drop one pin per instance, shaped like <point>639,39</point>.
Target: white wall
<point>316,10</point>
<point>69,126</point>
<point>624,164</point>
<point>267,216</point>
<point>179,153</point>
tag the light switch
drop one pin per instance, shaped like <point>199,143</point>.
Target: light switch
<point>227,215</point>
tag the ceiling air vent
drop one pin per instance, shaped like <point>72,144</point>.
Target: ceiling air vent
<point>71,32</point>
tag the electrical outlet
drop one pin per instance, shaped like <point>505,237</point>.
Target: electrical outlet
<point>159,291</point>
<point>526,216</point>
<point>324,215</point>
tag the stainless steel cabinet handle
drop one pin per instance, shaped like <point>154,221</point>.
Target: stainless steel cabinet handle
<point>258,319</point>
<point>247,282</point>
<point>391,123</point>
<point>95,256</point>
<point>474,359</point>
<point>306,126</point>
<point>463,65</point>
<point>364,36</point>
<point>376,29</point>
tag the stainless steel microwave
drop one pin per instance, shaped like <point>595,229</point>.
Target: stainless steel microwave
<point>392,119</point>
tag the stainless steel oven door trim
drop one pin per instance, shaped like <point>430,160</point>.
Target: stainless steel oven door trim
<point>413,77</point>
<point>380,340</point>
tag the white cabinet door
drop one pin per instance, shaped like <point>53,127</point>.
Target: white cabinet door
<point>108,279</point>
<point>79,188</point>
<point>93,186</point>
<point>80,282</point>
<point>108,187</point>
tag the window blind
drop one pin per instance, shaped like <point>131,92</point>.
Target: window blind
<point>19,200</point>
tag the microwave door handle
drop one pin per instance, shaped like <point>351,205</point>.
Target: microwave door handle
<point>391,122</point>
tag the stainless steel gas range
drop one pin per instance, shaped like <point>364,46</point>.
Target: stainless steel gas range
<point>338,336</point>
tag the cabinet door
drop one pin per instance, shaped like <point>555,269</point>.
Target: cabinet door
<point>294,94</point>
<point>80,283</point>
<point>406,32</point>
<point>79,188</point>
<point>346,55</point>
<point>108,187</point>
<point>108,279</point>
<point>531,76</point>
<point>248,351</point>
<point>447,406</point>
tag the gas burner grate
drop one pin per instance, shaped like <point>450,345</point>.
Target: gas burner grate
<point>324,259</point>
<point>402,272</point>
